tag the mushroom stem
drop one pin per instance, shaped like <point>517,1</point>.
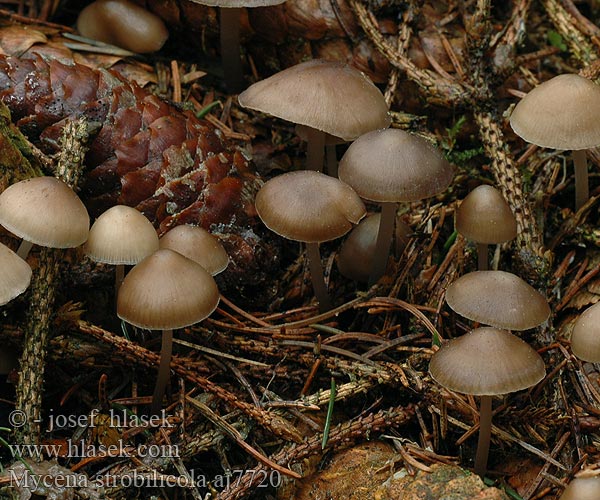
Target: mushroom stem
<point>485,433</point>
<point>24,249</point>
<point>315,149</point>
<point>582,192</point>
<point>331,157</point>
<point>163,371</point>
<point>230,48</point>
<point>482,257</point>
<point>317,277</point>
<point>383,242</point>
<point>119,277</point>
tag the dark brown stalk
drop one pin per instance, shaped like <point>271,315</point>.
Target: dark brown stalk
<point>485,434</point>
<point>164,370</point>
<point>230,49</point>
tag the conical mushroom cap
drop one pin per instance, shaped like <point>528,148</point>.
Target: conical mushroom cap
<point>197,244</point>
<point>325,95</point>
<point>15,275</point>
<point>499,299</point>
<point>392,165</point>
<point>485,217</point>
<point>487,362</point>
<point>561,113</point>
<point>308,206</point>
<point>121,235</point>
<point>44,211</point>
<point>355,257</point>
<point>585,338</point>
<point>167,291</point>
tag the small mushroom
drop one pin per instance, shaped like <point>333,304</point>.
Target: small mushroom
<point>124,24</point>
<point>15,275</point>
<point>562,113</point>
<point>121,236</point>
<point>197,244</point>
<point>231,12</point>
<point>485,218</point>
<point>486,362</point>
<point>585,486</point>
<point>355,258</point>
<point>499,299</point>
<point>390,166</point>
<point>44,211</point>
<point>328,97</point>
<point>585,338</point>
<point>166,291</point>
<point>309,207</point>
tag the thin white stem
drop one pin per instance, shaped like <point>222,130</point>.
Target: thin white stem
<point>582,190</point>
<point>383,242</point>
<point>317,277</point>
<point>164,371</point>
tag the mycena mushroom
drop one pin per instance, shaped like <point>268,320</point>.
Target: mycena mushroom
<point>166,291</point>
<point>310,207</point>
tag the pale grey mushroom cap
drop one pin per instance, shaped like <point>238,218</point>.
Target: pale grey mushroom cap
<point>498,299</point>
<point>487,362</point>
<point>561,113</point>
<point>308,206</point>
<point>582,488</point>
<point>46,212</point>
<point>485,217</point>
<point>121,235</point>
<point>392,165</point>
<point>15,275</point>
<point>585,338</point>
<point>325,95</point>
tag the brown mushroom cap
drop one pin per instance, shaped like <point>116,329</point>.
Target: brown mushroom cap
<point>198,245</point>
<point>561,113</point>
<point>308,206</point>
<point>44,211</point>
<point>487,362</point>
<point>499,299</point>
<point>582,488</point>
<point>392,165</point>
<point>167,291</point>
<point>15,275</point>
<point>328,96</point>
<point>121,235</point>
<point>585,338</point>
<point>485,217</point>
<point>124,24</point>
<point>356,253</point>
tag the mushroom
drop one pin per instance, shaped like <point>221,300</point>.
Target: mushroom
<point>355,258</point>
<point>328,97</point>
<point>485,218</point>
<point>562,113</point>
<point>309,207</point>
<point>486,362</point>
<point>498,299</point>
<point>15,275</point>
<point>331,141</point>
<point>389,166</point>
<point>124,24</point>
<point>231,12</point>
<point>585,486</point>
<point>166,291</point>
<point>121,236</point>
<point>44,211</point>
<point>197,244</point>
<point>585,338</point>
